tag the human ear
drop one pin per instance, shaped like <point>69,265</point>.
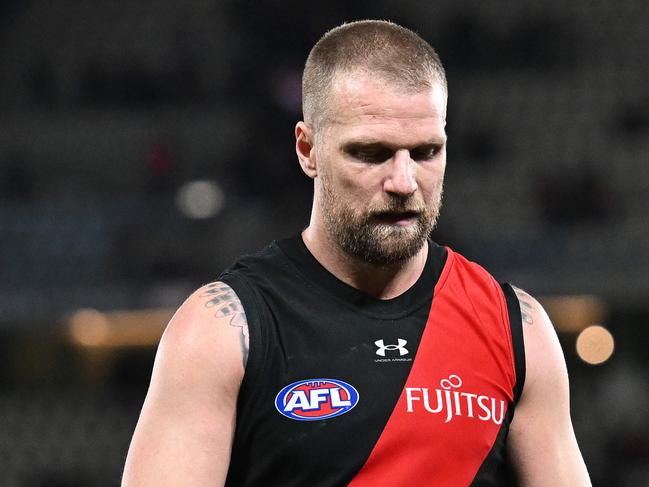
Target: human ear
<point>305,150</point>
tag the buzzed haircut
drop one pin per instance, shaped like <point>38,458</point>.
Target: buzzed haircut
<point>380,48</point>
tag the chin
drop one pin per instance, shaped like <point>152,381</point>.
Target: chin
<point>392,249</point>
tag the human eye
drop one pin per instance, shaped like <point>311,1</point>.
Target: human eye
<point>371,154</point>
<point>368,156</point>
<point>426,152</point>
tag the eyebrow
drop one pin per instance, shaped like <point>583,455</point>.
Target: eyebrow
<point>374,144</point>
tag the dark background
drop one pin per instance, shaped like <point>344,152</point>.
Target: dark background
<point>112,111</point>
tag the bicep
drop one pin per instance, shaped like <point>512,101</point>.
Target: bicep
<point>185,430</point>
<point>541,440</point>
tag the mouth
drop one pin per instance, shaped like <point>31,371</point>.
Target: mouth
<point>401,218</point>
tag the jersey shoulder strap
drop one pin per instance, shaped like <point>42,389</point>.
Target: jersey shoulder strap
<point>516,326</point>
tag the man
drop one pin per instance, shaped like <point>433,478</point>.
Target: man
<point>360,352</point>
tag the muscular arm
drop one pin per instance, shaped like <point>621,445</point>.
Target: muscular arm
<point>184,434</point>
<point>541,441</point>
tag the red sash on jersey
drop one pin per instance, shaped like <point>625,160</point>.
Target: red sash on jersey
<point>458,390</point>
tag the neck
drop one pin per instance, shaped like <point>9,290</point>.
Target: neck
<point>380,281</point>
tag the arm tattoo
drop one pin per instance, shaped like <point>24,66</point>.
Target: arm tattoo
<point>527,308</point>
<point>227,304</point>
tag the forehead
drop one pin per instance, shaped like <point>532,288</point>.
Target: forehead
<point>363,107</point>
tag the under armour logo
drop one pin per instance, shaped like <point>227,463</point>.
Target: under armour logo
<point>383,347</point>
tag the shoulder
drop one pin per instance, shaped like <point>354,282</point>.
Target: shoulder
<point>258,262</point>
<point>208,333</point>
<point>476,272</point>
<point>263,275</point>
<point>546,375</point>
<point>543,353</point>
<point>476,283</point>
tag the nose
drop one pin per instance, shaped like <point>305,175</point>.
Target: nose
<point>401,178</point>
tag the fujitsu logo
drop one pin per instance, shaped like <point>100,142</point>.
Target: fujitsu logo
<point>450,400</point>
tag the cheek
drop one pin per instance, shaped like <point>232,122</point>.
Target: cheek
<point>357,183</point>
<point>432,182</point>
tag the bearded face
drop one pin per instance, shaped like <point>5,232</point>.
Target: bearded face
<point>378,159</point>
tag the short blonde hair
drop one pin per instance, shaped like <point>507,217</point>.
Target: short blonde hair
<point>380,48</point>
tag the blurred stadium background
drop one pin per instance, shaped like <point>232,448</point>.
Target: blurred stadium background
<point>145,144</point>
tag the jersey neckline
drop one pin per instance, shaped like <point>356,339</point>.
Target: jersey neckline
<point>419,293</point>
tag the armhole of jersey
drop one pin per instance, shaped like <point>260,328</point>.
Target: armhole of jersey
<point>516,326</point>
<point>251,306</point>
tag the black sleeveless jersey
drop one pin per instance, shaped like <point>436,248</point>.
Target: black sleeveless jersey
<point>342,388</point>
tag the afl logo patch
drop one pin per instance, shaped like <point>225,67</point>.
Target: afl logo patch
<point>313,399</point>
